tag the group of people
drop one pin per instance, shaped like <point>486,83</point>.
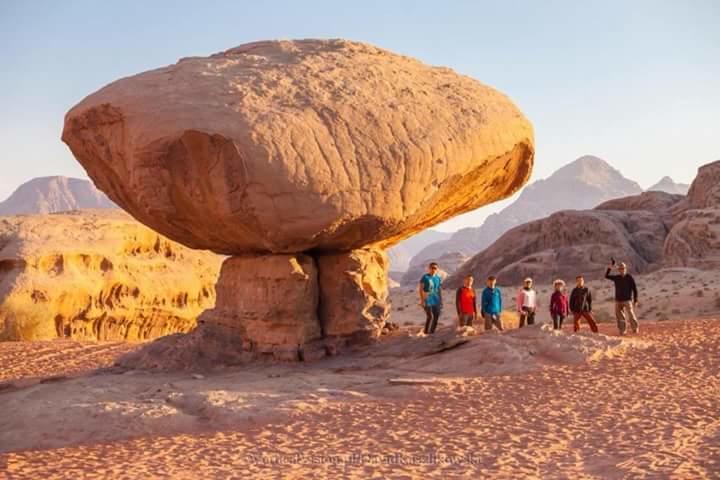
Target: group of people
<point>578,303</point>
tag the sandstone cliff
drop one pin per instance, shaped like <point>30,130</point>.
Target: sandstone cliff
<point>98,275</point>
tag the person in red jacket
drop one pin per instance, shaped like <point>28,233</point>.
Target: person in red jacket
<point>466,303</point>
<point>558,304</point>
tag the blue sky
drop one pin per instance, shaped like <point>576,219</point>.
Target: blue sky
<point>634,82</point>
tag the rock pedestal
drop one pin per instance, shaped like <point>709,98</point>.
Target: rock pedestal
<point>268,303</point>
<point>354,294</point>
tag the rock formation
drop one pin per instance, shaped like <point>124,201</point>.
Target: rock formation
<point>573,242</point>
<point>321,151</point>
<point>579,185</point>
<point>694,240</point>
<point>98,275</point>
<point>54,194</point>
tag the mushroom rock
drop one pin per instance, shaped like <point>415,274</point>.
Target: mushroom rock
<point>313,147</point>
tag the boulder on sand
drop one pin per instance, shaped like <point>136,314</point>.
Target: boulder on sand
<point>314,147</point>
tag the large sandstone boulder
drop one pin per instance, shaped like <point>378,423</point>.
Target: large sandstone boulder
<point>288,146</point>
<point>98,275</point>
<point>568,243</point>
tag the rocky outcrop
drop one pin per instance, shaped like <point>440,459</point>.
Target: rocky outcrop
<point>54,194</point>
<point>98,275</point>
<point>312,154</point>
<point>694,240</point>
<point>571,242</point>
<point>579,185</point>
<point>705,189</point>
<point>290,146</point>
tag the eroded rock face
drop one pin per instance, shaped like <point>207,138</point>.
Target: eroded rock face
<point>694,240</point>
<point>354,294</point>
<point>98,275</point>
<point>705,189</point>
<point>288,146</point>
<point>268,302</point>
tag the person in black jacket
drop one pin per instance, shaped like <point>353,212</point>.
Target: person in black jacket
<point>626,298</point>
<point>581,305</point>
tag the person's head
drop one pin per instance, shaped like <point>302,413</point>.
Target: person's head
<point>622,268</point>
<point>468,281</point>
<point>580,281</point>
<point>559,285</point>
<point>527,283</point>
<point>491,281</point>
<point>433,268</point>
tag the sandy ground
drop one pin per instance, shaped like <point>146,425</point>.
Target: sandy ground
<point>526,403</point>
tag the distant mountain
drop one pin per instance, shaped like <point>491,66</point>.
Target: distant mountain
<point>54,194</point>
<point>580,185</point>
<point>401,253</point>
<point>668,185</point>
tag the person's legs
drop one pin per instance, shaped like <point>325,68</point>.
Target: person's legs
<point>488,321</point>
<point>498,321</point>
<point>435,316</point>
<point>562,318</point>
<point>576,321</point>
<point>468,319</point>
<point>428,320</point>
<point>555,319</point>
<point>591,321</point>
<point>620,315</point>
<point>634,325</point>
<point>523,316</point>
<point>531,317</point>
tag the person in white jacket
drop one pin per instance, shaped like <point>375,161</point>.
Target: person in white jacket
<point>527,303</point>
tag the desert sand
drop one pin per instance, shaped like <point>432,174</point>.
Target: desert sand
<point>526,403</point>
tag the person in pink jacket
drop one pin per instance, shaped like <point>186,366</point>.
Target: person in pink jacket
<point>526,303</point>
<point>559,305</point>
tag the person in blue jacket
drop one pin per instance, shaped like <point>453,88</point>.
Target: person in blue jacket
<point>491,305</point>
<point>430,291</point>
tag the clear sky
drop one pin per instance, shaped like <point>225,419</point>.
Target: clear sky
<point>634,82</point>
